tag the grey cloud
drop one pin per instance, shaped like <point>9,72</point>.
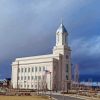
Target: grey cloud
<point>27,27</point>
<point>88,47</point>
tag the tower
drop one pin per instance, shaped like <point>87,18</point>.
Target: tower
<point>63,50</point>
<point>61,46</point>
<point>61,36</point>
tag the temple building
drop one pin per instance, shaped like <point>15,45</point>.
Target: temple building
<point>51,71</point>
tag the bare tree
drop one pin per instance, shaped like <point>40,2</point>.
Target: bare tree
<point>76,73</point>
<point>76,78</point>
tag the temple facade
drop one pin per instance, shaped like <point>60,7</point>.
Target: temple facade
<point>51,71</point>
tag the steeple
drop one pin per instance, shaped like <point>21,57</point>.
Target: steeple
<point>61,35</point>
<point>61,29</point>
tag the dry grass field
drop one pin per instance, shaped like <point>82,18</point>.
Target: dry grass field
<point>23,98</point>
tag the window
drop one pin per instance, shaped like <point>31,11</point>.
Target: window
<point>35,69</point>
<point>25,69</point>
<point>39,69</point>
<point>24,77</point>
<point>67,68</point>
<point>31,85</point>
<point>28,69</point>
<point>32,69</point>
<point>67,57</point>
<point>35,77</point>
<point>24,85</point>
<point>35,86</point>
<point>28,77</point>
<point>32,77</point>
<point>43,68</point>
<point>21,69</point>
<point>28,86</point>
<point>66,77</point>
<point>21,77</point>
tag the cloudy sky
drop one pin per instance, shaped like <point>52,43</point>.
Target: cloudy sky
<point>27,28</point>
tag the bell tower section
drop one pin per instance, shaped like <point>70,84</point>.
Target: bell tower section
<point>61,46</point>
<point>63,49</point>
<point>61,36</point>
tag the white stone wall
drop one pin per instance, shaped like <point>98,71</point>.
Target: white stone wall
<point>28,82</point>
<point>14,76</point>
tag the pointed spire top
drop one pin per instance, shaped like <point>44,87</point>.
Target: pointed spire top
<point>61,28</point>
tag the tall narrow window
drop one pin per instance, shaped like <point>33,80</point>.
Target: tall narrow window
<point>67,68</point>
<point>66,77</point>
<point>35,77</point>
<point>25,69</point>
<point>21,69</point>
<point>32,69</point>
<point>27,86</point>
<point>35,69</point>
<point>32,77</point>
<point>24,77</point>
<point>31,85</point>
<point>21,77</point>
<point>35,86</point>
<point>43,68</point>
<point>28,69</point>
<point>28,77</point>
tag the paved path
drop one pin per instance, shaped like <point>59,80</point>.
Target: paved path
<point>61,97</point>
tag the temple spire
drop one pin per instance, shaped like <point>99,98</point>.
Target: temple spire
<point>61,28</point>
<point>61,35</point>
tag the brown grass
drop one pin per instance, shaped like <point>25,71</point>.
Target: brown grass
<point>23,98</point>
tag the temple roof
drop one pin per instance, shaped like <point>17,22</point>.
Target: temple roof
<point>61,29</point>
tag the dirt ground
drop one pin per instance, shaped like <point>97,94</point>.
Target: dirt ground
<point>23,98</point>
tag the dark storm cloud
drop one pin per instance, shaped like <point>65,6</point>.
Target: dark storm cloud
<point>27,27</point>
